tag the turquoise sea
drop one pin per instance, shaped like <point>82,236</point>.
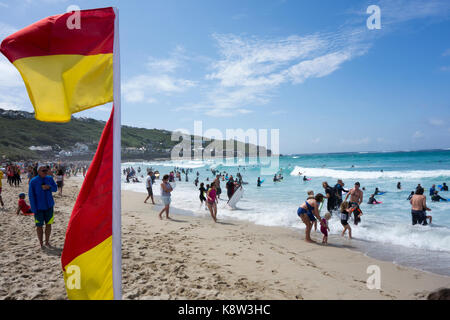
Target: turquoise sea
<point>386,231</point>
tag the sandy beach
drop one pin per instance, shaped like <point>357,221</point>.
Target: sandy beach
<point>194,258</point>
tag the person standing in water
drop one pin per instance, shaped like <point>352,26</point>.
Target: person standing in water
<point>356,198</point>
<point>309,212</point>
<point>419,207</point>
<point>166,190</point>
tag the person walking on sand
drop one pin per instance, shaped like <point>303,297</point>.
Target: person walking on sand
<point>211,201</point>
<point>324,228</point>
<point>42,203</point>
<point>356,198</point>
<point>148,185</point>
<point>1,200</point>
<point>166,189</point>
<point>60,180</point>
<point>308,212</point>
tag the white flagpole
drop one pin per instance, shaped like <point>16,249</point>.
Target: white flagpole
<point>116,205</point>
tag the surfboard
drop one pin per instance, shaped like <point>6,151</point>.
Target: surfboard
<point>380,193</point>
<point>237,195</point>
<point>262,180</point>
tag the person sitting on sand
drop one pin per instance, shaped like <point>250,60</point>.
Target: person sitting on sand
<point>22,205</point>
<point>308,212</point>
<point>324,228</point>
<point>345,215</point>
<point>211,201</point>
<point>166,189</point>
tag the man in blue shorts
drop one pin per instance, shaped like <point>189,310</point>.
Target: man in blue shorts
<point>42,203</point>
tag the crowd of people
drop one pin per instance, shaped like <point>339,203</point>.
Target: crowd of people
<point>43,181</point>
<point>309,211</point>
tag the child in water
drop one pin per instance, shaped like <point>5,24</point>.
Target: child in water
<point>324,228</point>
<point>345,214</point>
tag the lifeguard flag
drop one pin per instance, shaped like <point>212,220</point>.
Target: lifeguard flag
<point>66,69</point>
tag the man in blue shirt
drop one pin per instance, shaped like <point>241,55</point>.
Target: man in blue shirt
<point>42,203</point>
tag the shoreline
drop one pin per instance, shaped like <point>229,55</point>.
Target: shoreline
<point>191,257</point>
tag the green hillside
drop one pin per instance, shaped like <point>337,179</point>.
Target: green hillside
<point>77,140</point>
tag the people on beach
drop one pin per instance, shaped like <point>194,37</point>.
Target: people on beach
<point>324,228</point>
<point>1,200</point>
<point>211,201</point>
<point>42,203</point>
<point>339,188</point>
<point>356,198</point>
<point>166,190</point>
<point>419,207</point>
<point>202,193</point>
<point>330,194</point>
<point>345,215</point>
<point>149,187</point>
<point>23,206</point>
<point>230,187</point>
<point>309,212</point>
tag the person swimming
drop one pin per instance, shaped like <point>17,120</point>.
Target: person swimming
<point>372,200</point>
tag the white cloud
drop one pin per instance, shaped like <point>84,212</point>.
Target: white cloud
<point>418,135</point>
<point>157,79</point>
<point>250,69</point>
<point>436,122</point>
<point>6,30</point>
<point>398,11</point>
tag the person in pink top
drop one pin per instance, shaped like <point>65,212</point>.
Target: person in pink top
<point>211,201</point>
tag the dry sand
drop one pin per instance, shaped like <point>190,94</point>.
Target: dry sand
<point>194,258</point>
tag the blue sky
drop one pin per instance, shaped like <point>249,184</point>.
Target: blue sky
<point>311,69</point>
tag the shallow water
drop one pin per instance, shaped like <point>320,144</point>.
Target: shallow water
<point>385,232</point>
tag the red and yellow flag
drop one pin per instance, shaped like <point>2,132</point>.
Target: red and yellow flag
<point>87,254</point>
<point>65,70</point>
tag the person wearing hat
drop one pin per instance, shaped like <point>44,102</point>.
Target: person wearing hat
<point>22,205</point>
<point>42,203</point>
